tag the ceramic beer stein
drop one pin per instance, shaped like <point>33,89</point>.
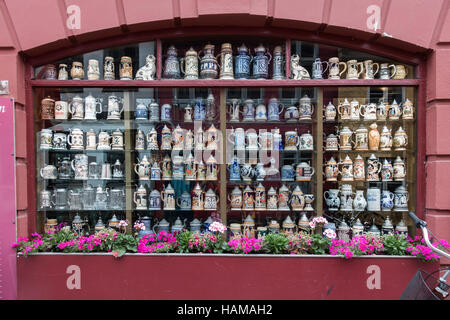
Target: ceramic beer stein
<point>345,139</point>
<point>273,110</point>
<point>142,168</point>
<point>359,203</point>
<point>306,142</point>
<point>197,198</point>
<point>317,68</point>
<point>373,199</point>
<point>234,110</point>
<point>278,64</point>
<point>189,65</point>
<point>76,139</point>
<point>155,172</point>
<point>370,111</point>
<point>386,139</point>
<point>394,111</point>
<point>48,172</point>
<point>171,68</point>
<point>400,72</point>
<point>355,110</point>
<point>346,193</point>
<point>368,69</point>
<point>168,197</point>
<point>108,69</point>
<point>184,202</point>
<point>374,137</point>
<point>260,197</point>
<point>141,112</point>
<point>208,63</point>
<point>166,168</point>
<point>399,169</point>
<point>304,172</point>
<point>140,141</point>
<point>166,112</point>
<point>59,141</point>
<point>248,111</point>
<point>346,171</point>
<point>166,138</point>
<point>93,70</point>
<point>77,72</point>
<point>332,199</point>
<point>359,173</point>
<point>211,200</point>
<point>235,198</point>
<point>47,109</point>
<point>126,68</point>
<point>62,72</point>
<point>226,62</point>
<point>385,72</point>
<point>104,141</point>
<point>178,168</point>
<point>211,168</point>
<point>117,170</point>
<point>401,197</point>
<point>344,109</point>
<point>306,109</point>
<point>400,141</point>
<point>61,110</point>
<point>283,198</point>
<point>352,69</point>
<point>291,140</point>
<point>242,63</point>
<point>291,114</point>
<point>261,62</point>
<point>373,168</point>
<point>117,140</point>
<point>387,171</point>
<point>80,166</point>
<point>331,170</point>
<point>334,70</point>
<point>287,173</point>
<point>272,199</point>
<point>152,139</point>
<point>211,111</point>
<point>90,108</point>
<point>407,110</point>
<point>387,200</point>
<point>154,111</point>
<point>331,143</point>
<point>114,109</point>
<point>76,108</point>
<point>382,111</point>
<point>91,140</point>
<point>46,136</point>
<point>361,138</point>
<point>140,198</point>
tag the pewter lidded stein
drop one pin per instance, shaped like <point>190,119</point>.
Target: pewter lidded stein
<point>208,63</point>
<point>278,64</point>
<point>189,65</point>
<point>242,63</point>
<point>172,65</point>
<point>226,62</point>
<point>317,68</point>
<point>261,63</point>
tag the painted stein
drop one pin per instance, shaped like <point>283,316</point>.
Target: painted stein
<point>48,172</point>
<point>166,112</point>
<point>387,200</point>
<point>91,140</point>
<point>400,72</point>
<point>373,230</point>
<point>249,111</point>
<point>401,228</point>
<point>178,225</point>
<point>45,199</point>
<point>117,170</point>
<point>76,139</point>
<point>235,230</point>
<point>101,198</point>
<point>297,200</point>
<point>235,198</point>
<point>259,172</point>
<point>266,140</point>
<point>329,112</point>
<point>155,172</point>
<point>172,65</point>
<point>331,170</point>
<point>370,111</point>
<point>211,200</point>
<point>235,169</point>
<point>142,168</point>
<point>61,198</point>
<point>291,114</point>
<point>189,168</point>
<point>374,137</point>
<point>291,140</point>
<point>368,69</point>
<point>387,227</point>
<point>199,110</point>
<point>106,171</point>
<point>62,72</point>
<point>345,139</point>
<point>198,139</point>
<point>283,198</point>
<point>306,109</point>
<point>166,168</point>
<point>46,136</point>
<point>394,111</point>
<point>248,198</point>
<point>399,169</point>
<point>208,63</point>
<point>195,226</point>
<point>154,111</point>
<point>234,110</point>
<point>343,231</point>
<point>166,138</point>
<point>306,142</point>
<point>211,111</point>
<point>247,172</point>
<point>303,223</point>
<point>126,68</point>
<point>354,110</point>
<point>278,64</point>
<point>248,227</point>
<point>152,139</point>
<point>261,113</point>
<point>61,110</point>
<point>177,168</point>
<point>251,140</point>
<point>357,229</point>
<point>273,226</point>
<point>260,197</point>
<point>197,198</point>
<point>354,69</point>
<point>261,63</point>
<point>373,199</point>
<point>387,171</point>
<point>317,68</point>
<point>226,62</point>
<point>141,112</point>
<point>211,168</point>
<point>261,232</point>
<point>288,226</point>
<point>104,141</point>
<point>77,72</point>
<point>211,138</point>
<point>242,63</point>
<point>140,198</point>
<point>334,68</point>
<point>76,108</point>
<point>273,109</point>
<point>344,109</point>
<point>359,169</point>
<point>162,225</point>
<point>359,203</point>
<point>382,111</point>
<point>90,108</point>
<point>94,170</point>
<point>385,73</point>
<point>189,65</point>
<point>304,172</point>
<point>277,139</point>
<point>154,200</point>
<point>401,197</point>
<point>114,109</point>
<point>287,173</point>
<point>331,143</point>
<point>346,169</point>
<point>361,138</point>
<point>386,139</point>
<point>108,69</point>
<point>178,138</point>
<point>60,141</point>
<point>407,110</point>
<point>93,70</point>
<point>80,166</point>
<point>400,141</point>
<point>346,193</point>
<point>140,140</point>
<point>188,113</point>
<point>272,199</point>
<point>373,168</point>
<point>189,140</point>
<point>168,197</point>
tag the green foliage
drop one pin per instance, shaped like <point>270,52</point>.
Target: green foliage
<point>395,244</point>
<point>319,244</point>
<point>276,243</point>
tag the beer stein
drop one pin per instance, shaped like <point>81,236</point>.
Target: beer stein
<point>80,166</point>
<point>90,108</point>
<point>306,142</point>
<point>65,169</point>
<point>291,114</point>
<point>101,198</point>
<point>387,171</point>
<point>374,137</point>
<point>346,192</point>
<point>199,110</point>
<point>93,70</point>
<point>345,139</point>
<point>166,168</point>
<point>386,139</point>
<point>261,113</point>
<point>277,139</point>
<point>77,72</point>
<point>189,168</point>
<point>261,63</point>
<point>140,140</point>
<point>226,62</point>
<point>399,169</point>
<point>385,73</point>
<point>297,200</point>
<point>62,72</point>
<point>331,143</point>
<point>272,199</point>
<point>152,139</point>
<point>61,198</point>
<point>154,200</point>
<point>287,173</point>
<point>251,141</point>
<point>343,232</point>
<point>331,170</point>
<point>106,171</point>
<point>373,168</point>
<point>139,198</point>
<point>126,69</point>
<point>344,109</point>
<point>266,140</point>
<point>361,138</point>
<point>154,111</point>
<point>332,199</point>
<point>184,202</point>
<point>357,229</point>
<point>91,140</point>
<point>334,68</point>
<point>248,227</point>
<point>352,69</point>
<point>234,110</point>
<point>359,203</point>
<point>288,226</point>
<point>400,140</point>
<point>61,110</point>
<point>155,172</point>
<point>394,111</point>
<point>168,197</point>
<point>373,199</point>
<point>211,200</point>
<point>189,140</point>
<point>407,110</point>
<point>387,200</point>
<point>346,171</point>
<point>76,139</point>
<point>141,112</point>
<point>382,111</point>
<point>166,112</point>
<point>260,197</point>
<point>142,168</point>
<point>208,63</point>
<point>359,173</point>
<point>47,109</point>
<point>211,168</point>
<point>278,64</point>
<point>94,170</point>
<point>401,228</point>
<point>292,140</point>
<point>166,138</point>
<point>117,170</point>
<point>46,136</point>
<point>242,63</point>
<point>401,72</point>
<point>370,111</point>
<point>201,171</point>
<point>211,138</point>
<point>178,168</point>
<point>235,198</point>
<point>235,169</point>
<point>76,108</point>
<point>45,200</point>
<point>247,172</point>
<point>189,65</point>
<point>330,112</point>
<point>283,198</point>
<point>198,140</point>
<point>401,197</point>
<point>309,199</point>
<point>108,69</point>
<point>304,172</point>
<point>249,111</point>
<point>197,198</point>
<point>188,113</point>
<point>317,68</point>
<point>171,68</point>
<point>305,109</point>
<point>368,69</point>
<point>74,200</point>
<point>117,140</point>
<point>104,141</point>
<point>114,109</point>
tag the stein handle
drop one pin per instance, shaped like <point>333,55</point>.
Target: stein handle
<point>182,65</point>
<point>270,56</point>
<point>135,168</point>
<point>325,195</point>
<point>338,109</point>
<point>406,139</point>
<point>379,167</point>
<point>326,68</point>
<point>42,175</point>
<point>313,171</point>
<point>69,139</point>
<point>177,202</point>
<point>312,109</point>
<point>360,64</point>
<point>378,68</point>
<point>72,164</point>
<point>345,67</point>
<point>282,108</point>
<point>101,106</point>
<point>391,196</point>
<point>134,198</point>
<point>395,70</point>
<point>363,106</point>
<point>69,107</point>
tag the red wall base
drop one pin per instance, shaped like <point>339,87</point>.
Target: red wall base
<point>91,276</point>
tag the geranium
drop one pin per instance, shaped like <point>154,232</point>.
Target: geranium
<point>245,245</point>
<point>317,221</point>
<point>418,248</point>
<point>217,226</point>
<point>138,226</point>
<point>329,233</point>
<point>365,245</point>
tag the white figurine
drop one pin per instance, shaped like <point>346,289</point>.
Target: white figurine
<point>148,71</point>
<point>297,71</point>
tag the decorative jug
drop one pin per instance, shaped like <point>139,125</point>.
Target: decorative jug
<point>306,109</point>
<point>235,169</point>
<point>77,72</point>
<point>208,63</point>
<point>373,168</point>
<point>332,199</point>
<point>400,72</point>
<point>168,197</point>
<point>226,62</point>
<point>278,64</point>
<point>247,172</point>
<point>400,140</point>
<point>114,109</point>
<point>242,63</point>
<point>359,203</point>
<point>261,63</point>
<point>172,65</point>
<point>387,200</point>
<point>189,65</point>
<point>399,169</point>
<point>317,68</point>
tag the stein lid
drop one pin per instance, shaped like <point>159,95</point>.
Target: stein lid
<point>358,224</point>
<point>346,129</point>
<point>242,49</point>
<point>343,226</point>
<point>272,191</point>
<point>373,157</point>
<point>177,223</point>
<point>234,226</point>
<point>248,189</point>
<point>142,188</point>
<point>191,52</point>
<point>169,188</point>
<point>236,191</point>
<point>305,99</point>
<point>155,193</point>
<point>394,102</point>
<point>211,159</point>
<point>400,189</point>
<point>163,223</point>
<point>303,165</point>
<point>278,50</point>
<point>373,126</point>
<point>77,219</point>
<point>100,224</point>
<point>386,162</point>
<point>288,223</point>
<point>297,190</point>
<point>274,224</point>
<point>283,188</point>
<point>260,48</point>
<point>165,129</point>
<point>113,220</point>
<point>401,226</point>
<point>387,224</point>
<point>195,223</point>
<point>385,129</point>
<point>249,221</point>
<point>331,161</point>
<point>400,129</point>
<point>374,229</point>
<point>197,187</point>
<point>347,159</point>
<point>210,193</point>
<point>398,160</point>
